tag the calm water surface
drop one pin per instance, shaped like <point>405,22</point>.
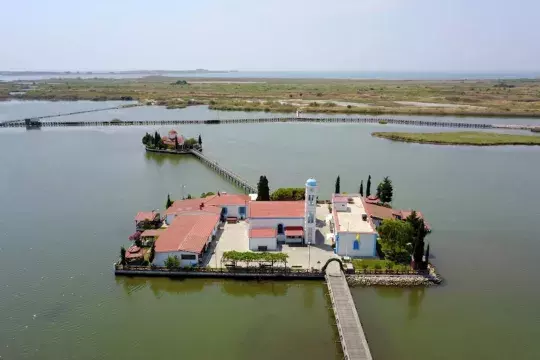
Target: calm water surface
<point>68,197</point>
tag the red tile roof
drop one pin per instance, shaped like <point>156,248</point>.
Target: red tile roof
<point>226,199</point>
<point>276,209</point>
<point>188,233</point>
<point>380,212</point>
<point>340,198</point>
<point>145,215</point>
<point>184,205</point>
<point>294,231</point>
<point>152,232</point>
<point>372,199</point>
<point>135,252</point>
<point>211,203</point>
<point>262,233</point>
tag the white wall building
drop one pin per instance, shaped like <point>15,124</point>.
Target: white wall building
<point>187,237</point>
<point>354,233</point>
<point>284,219</point>
<point>310,208</point>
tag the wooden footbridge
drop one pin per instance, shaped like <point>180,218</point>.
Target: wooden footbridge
<point>226,173</point>
<point>229,175</point>
<point>351,334</point>
<point>36,123</point>
<point>36,119</point>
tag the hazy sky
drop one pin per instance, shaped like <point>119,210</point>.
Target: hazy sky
<point>369,35</point>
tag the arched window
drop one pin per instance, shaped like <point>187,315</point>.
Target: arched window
<point>356,245</point>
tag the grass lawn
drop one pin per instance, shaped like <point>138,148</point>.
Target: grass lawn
<point>372,264</point>
<point>475,138</point>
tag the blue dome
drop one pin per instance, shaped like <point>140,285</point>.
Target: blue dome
<point>311,182</point>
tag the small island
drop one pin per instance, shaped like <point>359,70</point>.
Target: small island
<point>470,138</point>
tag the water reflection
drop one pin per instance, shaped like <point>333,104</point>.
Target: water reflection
<point>237,288</point>
<point>416,297</point>
<point>160,159</point>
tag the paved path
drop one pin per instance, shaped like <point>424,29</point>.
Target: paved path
<point>352,337</point>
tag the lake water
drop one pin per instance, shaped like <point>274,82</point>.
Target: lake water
<point>68,197</point>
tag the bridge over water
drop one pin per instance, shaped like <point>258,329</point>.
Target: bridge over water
<point>36,123</point>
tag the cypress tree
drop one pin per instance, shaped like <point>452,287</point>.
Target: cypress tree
<point>169,202</point>
<point>263,189</point>
<point>385,190</point>
<point>368,186</point>
<point>200,140</point>
<point>122,255</point>
<point>361,191</point>
<point>338,186</point>
<point>427,255</point>
<point>176,142</point>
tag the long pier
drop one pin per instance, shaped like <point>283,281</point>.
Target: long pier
<point>226,173</point>
<point>351,334</point>
<point>214,165</point>
<point>358,120</point>
<point>21,122</point>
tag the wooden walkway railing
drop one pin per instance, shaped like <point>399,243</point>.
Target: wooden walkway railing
<point>442,124</point>
<point>351,334</point>
<point>226,173</point>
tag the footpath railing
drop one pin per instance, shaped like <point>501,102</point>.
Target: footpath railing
<point>250,272</point>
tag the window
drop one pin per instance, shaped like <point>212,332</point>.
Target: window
<point>263,248</point>
<point>310,218</point>
<point>356,245</point>
<point>311,199</point>
<point>188,257</point>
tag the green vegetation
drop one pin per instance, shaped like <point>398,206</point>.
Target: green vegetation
<point>385,190</point>
<point>376,264</point>
<point>395,237</point>
<point>155,142</point>
<point>263,189</point>
<point>536,129</point>
<point>169,202</point>
<point>475,138</point>
<point>248,257</point>
<point>361,190</point>
<point>337,189</point>
<point>122,255</point>
<point>419,233</point>
<point>172,262</point>
<point>476,98</point>
<point>368,186</point>
<point>288,194</point>
<point>200,140</point>
<point>203,195</point>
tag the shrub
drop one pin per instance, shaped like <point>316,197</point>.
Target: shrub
<point>172,262</point>
<point>383,122</point>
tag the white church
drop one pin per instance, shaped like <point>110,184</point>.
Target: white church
<point>283,222</point>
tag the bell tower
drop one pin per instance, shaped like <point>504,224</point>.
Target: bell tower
<point>310,209</point>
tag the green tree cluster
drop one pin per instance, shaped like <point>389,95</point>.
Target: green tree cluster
<point>385,190</point>
<point>248,257</point>
<point>122,255</point>
<point>206,194</point>
<point>419,233</point>
<point>148,139</point>
<point>395,237</point>
<point>288,194</point>
<point>263,189</point>
<point>172,262</point>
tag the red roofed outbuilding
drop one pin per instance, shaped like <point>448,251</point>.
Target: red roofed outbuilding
<point>187,237</point>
